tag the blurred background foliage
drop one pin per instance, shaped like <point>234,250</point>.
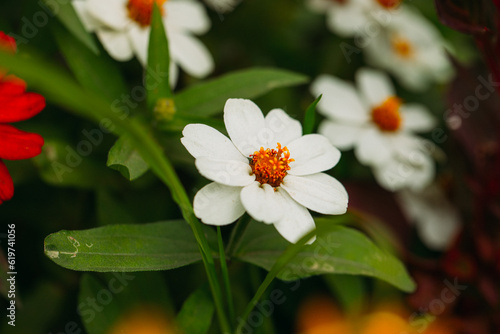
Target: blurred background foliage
<point>259,33</point>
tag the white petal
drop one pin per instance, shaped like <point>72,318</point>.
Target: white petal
<point>312,154</point>
<point>437,221</point>
<point>190,54</point>
<point>296,222</point>
<point>186,16</point>
<point>340,100</point>
<point>174,74</point>
<point>245,125</point>
<point>139,38</point>
<point>227,172</point>
<point>372,147</point>
<point>262,202</point>
<point>204,141</point>
<point>375,86</point>
<point>416,118</point>
<point>343,136</point>
<point>217,204</point>
<point>87,19</point>
<point>347,19</point>
<point>318,192</point>
<point>414,171</point>
<point>284,128</point>
<point>116,44</point>
<point>111,13</point>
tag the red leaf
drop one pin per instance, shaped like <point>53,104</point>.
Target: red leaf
<point>6,184</point>
<point>15,108</point>
<point>16,144</point>
<point>470,17</point>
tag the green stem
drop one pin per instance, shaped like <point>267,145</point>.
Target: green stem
<point>237,233</point>
<point>281,262</point>
<point>49,80</point>
<point>225,275</point>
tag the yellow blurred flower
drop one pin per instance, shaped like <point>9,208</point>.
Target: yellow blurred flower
<point>319,315</point>
<point>144,320</point>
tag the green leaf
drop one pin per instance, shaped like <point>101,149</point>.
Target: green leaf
<point>158,87</point>
<point>96,73</point>
<point>349,290</point>
<point>156,246</point>
<point>208,98</point>
<point>196,313</point>
<point>310,116</point>
<point>338,249</point>
<point>124,158</point>
<point>69,18</point>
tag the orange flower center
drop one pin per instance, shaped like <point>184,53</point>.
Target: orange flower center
<point>402,47</point>
<point>387,116</point>
<point>141,10</point>
<point>389,4</point>
<point>270,166</point>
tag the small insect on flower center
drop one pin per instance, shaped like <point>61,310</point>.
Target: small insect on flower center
<point>387,116</point>
<point>141,10</point>
<point>270,165</point>
<point>389,4</point>
<point>402,47</point>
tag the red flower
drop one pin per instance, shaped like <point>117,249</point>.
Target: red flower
<point>15,105</point>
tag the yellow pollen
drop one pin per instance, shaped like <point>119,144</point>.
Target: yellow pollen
<point>141,10</point>
<point>387,116</point>
<point>389,4</point>
<point>402,47</point>
<point>270,165</point>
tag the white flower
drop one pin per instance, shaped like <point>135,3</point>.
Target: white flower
<point>123,28</point>
<point>436,220</point>
<point>223,6</point>
<point>267,169</point>
<point>410,48</point>
<point>379,127</point>
<point>352,17</point>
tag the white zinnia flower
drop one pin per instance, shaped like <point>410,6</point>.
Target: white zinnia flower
<point>123,28</point>
<point>379,127</point>
<point>266,168</point>
<point>352,17</point>
<point>436,219</point>
<point>410,48</point>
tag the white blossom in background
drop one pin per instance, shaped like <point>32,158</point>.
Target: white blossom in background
<point>123,27</point>
<point>378,126</point>
<point>436,219</point>
<point>348,18</point>
<point>267,168</point>
<point>223,6</point>
<point>410,48</point>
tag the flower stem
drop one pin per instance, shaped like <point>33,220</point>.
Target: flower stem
<point>281,262</point>
<point>225,275</point>
<point>50,79</point>
<point>237,233</point>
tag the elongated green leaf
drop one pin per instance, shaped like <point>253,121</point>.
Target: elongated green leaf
<point>310,117</point>
<point>124,158</point>
<point>97,73</point>
<point>338,249</point>
<point>65,12</point>
<point>196,313</point>
<point>208,98</point>
<point>158,87</point>
<point>155,246</point>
